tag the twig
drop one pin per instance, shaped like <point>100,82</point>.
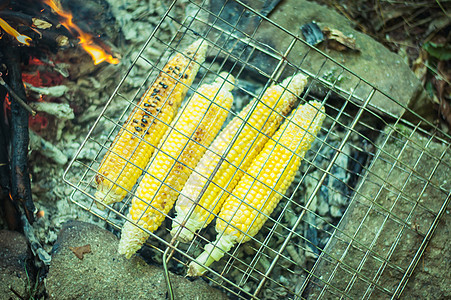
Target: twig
<point>442,8</point>
<point>17,98</point>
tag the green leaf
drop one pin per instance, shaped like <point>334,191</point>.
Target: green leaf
<point>429,88</point>
<point>440,51</point>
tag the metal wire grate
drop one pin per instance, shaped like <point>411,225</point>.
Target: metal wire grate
<point>364,203</point>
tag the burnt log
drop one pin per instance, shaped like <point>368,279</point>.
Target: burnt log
<point>4,140</point>
<point>11,214</point>
<point>16,17</point>
<point>20,178</point>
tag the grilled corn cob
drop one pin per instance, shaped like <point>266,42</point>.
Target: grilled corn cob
<point>262,123</point>
<point>134,145</point>
<point>179,152</point>
<point>257,194</point>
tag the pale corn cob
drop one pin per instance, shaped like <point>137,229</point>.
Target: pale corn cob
<point>194,129</point>
<point>133,146</point>
<point>257,194</point>
<point>276,102</point>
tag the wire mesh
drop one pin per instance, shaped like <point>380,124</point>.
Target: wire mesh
<point>365,201</point>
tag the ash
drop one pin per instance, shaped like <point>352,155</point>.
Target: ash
<point>88,89</point>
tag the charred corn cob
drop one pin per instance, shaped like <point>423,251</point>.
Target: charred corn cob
<point>258,192</point>
<point>179,152</point>
<point>134,144</point>
<point>262,123</point>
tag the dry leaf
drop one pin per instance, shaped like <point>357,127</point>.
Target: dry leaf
<point>441,85</point>
<point>445,111</point>
<point>337,40</point>
<point>80,251</point>
<point>419,66</point>
<point>41,24</point>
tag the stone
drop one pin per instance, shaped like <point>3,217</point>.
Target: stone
<point>323,208</point>
<point>431,278</point>
<point>16,272</point>
<point>373,62</point>
<point>104,274</point>
<point>404,194</point>
<point>335,211</point>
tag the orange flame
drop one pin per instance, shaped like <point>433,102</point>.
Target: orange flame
<point>19,37</point>
<point>86,40</point>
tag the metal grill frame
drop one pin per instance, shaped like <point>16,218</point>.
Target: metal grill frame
<point>83,193</point>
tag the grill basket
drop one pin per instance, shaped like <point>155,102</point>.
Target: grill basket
<point>365,202</point>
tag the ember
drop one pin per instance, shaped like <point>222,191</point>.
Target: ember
<point>33,32</point>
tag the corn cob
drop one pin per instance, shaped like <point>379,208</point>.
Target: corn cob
<point>194,129</point>
<point>267,179</point>
<point>262,123</point>
<point>134,145</point>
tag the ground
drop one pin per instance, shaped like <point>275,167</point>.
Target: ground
<point>419,33</point>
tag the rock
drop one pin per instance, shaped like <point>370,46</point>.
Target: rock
<point>103,274</point>
<point>432,279</point>
<point>386,222</point>
<point>323,208</point>
<point>373,62</point>
<point>335,211</point>
<point>16,273</point>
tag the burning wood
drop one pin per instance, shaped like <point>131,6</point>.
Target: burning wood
<point>19,37</point>
<point>33,30</point>
<point>86,40</point>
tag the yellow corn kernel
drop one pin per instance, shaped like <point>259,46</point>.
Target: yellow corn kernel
<point>178,154</point>
<point>135,143</point>
<point>265,117</point>
<point>261,188</point>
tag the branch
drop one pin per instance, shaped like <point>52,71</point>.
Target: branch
<point>4,140</point>
<point>20,177</point>
<point>11,215</point>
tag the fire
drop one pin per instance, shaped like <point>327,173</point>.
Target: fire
<point>86,40</point>
<point>96,52</point>
<point>11,31</point>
